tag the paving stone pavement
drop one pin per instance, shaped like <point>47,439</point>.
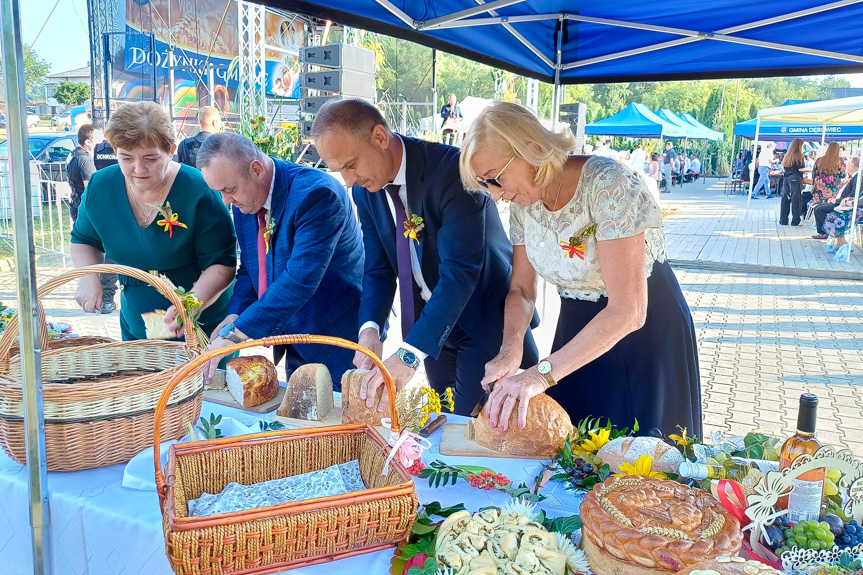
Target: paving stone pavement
<point>763,340</point>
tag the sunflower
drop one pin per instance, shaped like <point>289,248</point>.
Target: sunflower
<point>643,467</point>
<point>596,441</point>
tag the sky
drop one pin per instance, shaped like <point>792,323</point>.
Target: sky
<point>64,42</point>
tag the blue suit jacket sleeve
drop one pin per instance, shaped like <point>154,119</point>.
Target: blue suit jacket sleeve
<point>317,224</point>
<point>379,277</point>
<point>461,245</point>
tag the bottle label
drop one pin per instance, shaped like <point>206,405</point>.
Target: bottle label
<point>804,501</point>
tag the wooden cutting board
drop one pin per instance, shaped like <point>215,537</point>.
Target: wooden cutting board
<point>454,442</point>
<point>224,397</point>
<point>333,417</point>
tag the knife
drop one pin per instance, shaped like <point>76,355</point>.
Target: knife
<point>482,401</point>
<point>433,426</point>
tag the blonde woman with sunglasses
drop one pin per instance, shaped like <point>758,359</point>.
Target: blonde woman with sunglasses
<point>625,341</point>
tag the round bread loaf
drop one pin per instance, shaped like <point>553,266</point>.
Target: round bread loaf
<point>666,459</point>
<point>643,526</point>
<point>548,425</point>
<point>730,566</point>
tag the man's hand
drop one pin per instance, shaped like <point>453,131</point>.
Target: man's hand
<point>401,373</point>
<point>371,340</point>
<point>210,369</point>
<point>228,319</point>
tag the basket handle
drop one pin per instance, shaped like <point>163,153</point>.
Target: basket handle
<point>11,331</point>
<point>196,362</point>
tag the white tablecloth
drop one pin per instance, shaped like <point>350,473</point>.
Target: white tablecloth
<point>98,527</point>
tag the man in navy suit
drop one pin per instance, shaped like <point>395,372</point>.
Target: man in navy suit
<point>300,223</point>
<point>445,247</point>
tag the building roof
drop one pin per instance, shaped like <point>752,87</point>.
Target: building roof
<point>76,73</point>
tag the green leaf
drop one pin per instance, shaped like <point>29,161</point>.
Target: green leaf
<point>566,524</point>
<point>421,529</point>
<point>426,472</point>
<point>408,551</point>
<point>428,545</point>
<point>447,511</point>
<point>428,569</point>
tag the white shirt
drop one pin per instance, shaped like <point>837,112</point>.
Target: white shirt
<point>765,158</point>
<point>401,181</point>
<point>270,195</point>
<point>695,166</point>
<point>637,158</point>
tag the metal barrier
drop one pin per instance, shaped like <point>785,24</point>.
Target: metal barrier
<point>50,194</point>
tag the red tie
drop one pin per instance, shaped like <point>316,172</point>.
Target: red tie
<point>262,253</point>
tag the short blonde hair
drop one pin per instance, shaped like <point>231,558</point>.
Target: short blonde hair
<point>208,114</point>
<point>508,129</point>
<point>140,125</point>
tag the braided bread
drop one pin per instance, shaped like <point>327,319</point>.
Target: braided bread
<point>644,526</point>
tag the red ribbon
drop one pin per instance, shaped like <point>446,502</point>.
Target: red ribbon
<point>572,250</point>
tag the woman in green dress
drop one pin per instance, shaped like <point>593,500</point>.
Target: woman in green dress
<point>152,213</point>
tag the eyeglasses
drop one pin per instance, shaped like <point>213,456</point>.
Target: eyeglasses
<point>495,181</point>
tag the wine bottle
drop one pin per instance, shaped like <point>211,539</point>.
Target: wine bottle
<point>804,500</point>
<point>736,468</point>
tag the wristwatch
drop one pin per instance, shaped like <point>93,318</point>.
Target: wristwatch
<point>229,334</point>
<point>544,369</point>
<point>409,358</point>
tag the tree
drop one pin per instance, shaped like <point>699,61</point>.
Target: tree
<point>35,70</point>
<point>72,93</point>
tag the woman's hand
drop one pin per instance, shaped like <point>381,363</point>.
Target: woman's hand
<point>504,365</point>
<point>846,202</point>
<point>507,391</point>
<point>171,316</point>
<point>89,293</point>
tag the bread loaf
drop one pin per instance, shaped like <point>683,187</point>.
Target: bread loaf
<point>354,409</point>
<point>310,393</point>
<point>252,380</point>
<point>155,326</point>
<point>547,427</point>
<point>730,566</point>
<point>666,459</point>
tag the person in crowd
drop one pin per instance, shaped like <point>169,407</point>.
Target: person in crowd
<point>694,168</point>
<point>211,123</point>
<point>746,167</point>
<point>80,169</point>
<point>589,226</point>
<point>765,160</point>
<point>835,221</point>
<point>791,185</point>
<point>668,161</point>
<point>682,167</point>
<point>827,176</point>
<point>445,249</point>
<point>606,150</point>
<point>653,168</point>
<point>637,158</point>
<point>302,264</point>
<point>151,213</point>
<point>104,155</point>
<point>452,119</point>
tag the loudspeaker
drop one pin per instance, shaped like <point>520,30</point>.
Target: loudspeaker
<point>345,82</point>
<point>313,104</point>
<point>576,116</point>
<point>342,56</point>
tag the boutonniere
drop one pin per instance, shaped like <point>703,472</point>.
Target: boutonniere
<point>576,244</point>
<point>268,233</point>
<point>169,220</point>
<point>413,226</point>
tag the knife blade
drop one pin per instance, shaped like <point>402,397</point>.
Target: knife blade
<point>482,401</point>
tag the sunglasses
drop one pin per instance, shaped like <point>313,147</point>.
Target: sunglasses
<point>495,181</point>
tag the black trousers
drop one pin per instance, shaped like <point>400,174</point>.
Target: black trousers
<point>461,366</point>
<point>821,212</point>
<point>791,199</point>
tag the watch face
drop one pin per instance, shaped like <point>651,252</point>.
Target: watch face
<point>409,357</point>
<point>544,367</point>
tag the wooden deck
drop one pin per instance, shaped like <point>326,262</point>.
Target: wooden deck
<point>709,229</point>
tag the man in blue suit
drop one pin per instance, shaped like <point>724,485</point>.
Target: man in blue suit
<point>445,247</point>
<point>300,223</point>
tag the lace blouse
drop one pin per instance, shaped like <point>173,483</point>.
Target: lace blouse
<point>610,202</point>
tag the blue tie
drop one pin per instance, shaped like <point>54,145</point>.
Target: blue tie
<point>403,252</point>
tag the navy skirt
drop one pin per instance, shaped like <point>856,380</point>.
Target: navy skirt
<point>650,375</point>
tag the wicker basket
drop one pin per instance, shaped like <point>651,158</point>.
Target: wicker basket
<point>291,535</point>
<point>99,400</point>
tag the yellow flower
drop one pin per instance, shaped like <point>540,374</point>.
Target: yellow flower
<point>643,467</point>
<point>680,440</point>
<point>596,441</point>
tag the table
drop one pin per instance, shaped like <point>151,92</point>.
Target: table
<point>98,527</point>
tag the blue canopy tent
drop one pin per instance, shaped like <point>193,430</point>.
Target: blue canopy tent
<point>634,121</point>
<point>570,41</point>
<point>691,131</point>
<point>787,131</point>
<point>713,135</point>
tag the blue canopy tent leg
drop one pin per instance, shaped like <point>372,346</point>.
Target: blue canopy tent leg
<point>25,268</point>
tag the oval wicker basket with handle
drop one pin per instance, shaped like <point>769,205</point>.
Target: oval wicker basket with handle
<point>290,535</point>
<point>100,400</point>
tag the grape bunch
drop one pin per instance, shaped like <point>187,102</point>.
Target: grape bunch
<point>851,535</point>
<point>584,470</point>
<point>808,535</point>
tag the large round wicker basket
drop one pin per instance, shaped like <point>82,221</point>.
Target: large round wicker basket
<point>100,400</point>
